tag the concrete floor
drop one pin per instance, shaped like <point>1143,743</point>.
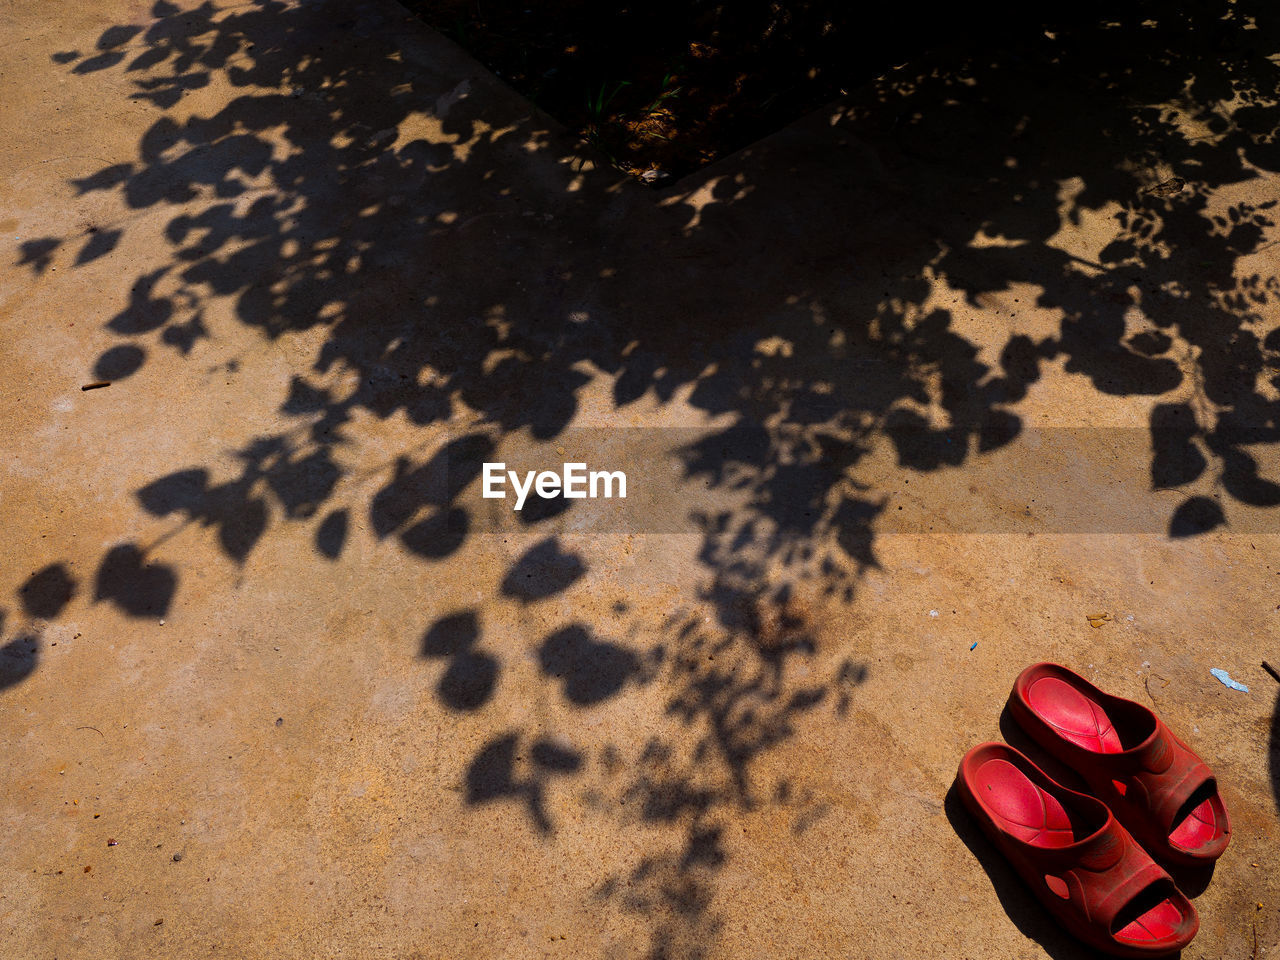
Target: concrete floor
<point>931,366</point>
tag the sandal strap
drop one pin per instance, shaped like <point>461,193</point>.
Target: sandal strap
<point>1154,757</point>
<point>1098,853</point>
<point>1164,797</point>
<point>1110,896</point>
<point>1099,888</point>
<point>1161,776</point>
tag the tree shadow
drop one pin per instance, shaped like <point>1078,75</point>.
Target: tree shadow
<point>47,591</point>
<point>281,237</point>
<point>140,588</point>
<point>494,773</point>
<point>1273,752</point>
<point>736,694</point>
<point>470,675</point>
<point>545,569</point>
<point>590,670</point>
<point>18,658</point>
<point>451,251</point>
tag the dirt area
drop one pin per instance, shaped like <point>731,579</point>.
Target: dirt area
<point>974,366</point>
<point>662,88</point>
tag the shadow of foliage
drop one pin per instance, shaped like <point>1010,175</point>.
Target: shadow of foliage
<point>591,670</point>
<point>495,773</point>
<point>47,591</point>
<point>138,587</point>
<point>18,659</point>
<point>451,252</point>
<point>1273,752</point>
<point>281,236</point>
<point>470,676</point>
<point>545,569</point>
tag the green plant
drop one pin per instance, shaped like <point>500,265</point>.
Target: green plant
<point>598,104</point>
<point>665,93</point>
<point>461,34</point>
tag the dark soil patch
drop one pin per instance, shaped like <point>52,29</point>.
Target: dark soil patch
<point>666,86</point>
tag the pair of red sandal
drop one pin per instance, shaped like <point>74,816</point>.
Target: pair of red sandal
<point>1089,858</point>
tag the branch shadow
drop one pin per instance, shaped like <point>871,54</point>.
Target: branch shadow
<point>1273,753</point>
<point>450,250</point>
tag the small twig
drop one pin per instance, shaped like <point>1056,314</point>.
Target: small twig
<point>1271,670</point>
<point>1147,683</point>
<point>95,730</point>
<point>97,384</point>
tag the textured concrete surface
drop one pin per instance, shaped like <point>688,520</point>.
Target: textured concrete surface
<point>932,366</point>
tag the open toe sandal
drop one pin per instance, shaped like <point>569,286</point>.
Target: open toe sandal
<point>1075,856</point>
<point>1155,784</point>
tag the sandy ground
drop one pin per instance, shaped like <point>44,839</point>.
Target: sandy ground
<point>927,368</point>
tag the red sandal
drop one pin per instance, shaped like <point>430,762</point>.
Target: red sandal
<point>1156,786</point>
<point>1075,856</point>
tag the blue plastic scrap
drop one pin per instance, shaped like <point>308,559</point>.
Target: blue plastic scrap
<point>1227,681</point>
<point>972,645</point>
